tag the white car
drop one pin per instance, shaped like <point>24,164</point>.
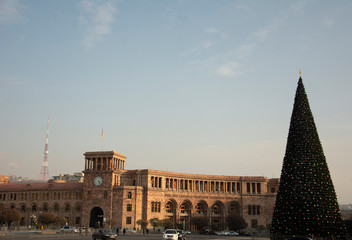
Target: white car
<point>233,233</point>
<point>68,229</point>
<point>170,234</point>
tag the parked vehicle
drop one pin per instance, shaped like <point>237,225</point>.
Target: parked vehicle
<point>170,234</point>
<point>232,233</point>
<point>188,232</point>
<point>130,230</point>
<point>103,234</point>
<point>68,229</point>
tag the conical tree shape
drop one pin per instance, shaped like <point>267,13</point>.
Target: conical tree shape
<point>306,203</point>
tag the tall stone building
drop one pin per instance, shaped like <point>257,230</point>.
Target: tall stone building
<point>109,191</point>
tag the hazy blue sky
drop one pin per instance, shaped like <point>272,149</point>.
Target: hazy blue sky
<point>185,86</point>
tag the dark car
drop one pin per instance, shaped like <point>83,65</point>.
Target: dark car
<point>103,234</point>
<point>207,232</point>
<point>181,234</point>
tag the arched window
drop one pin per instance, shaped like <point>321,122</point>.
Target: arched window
<point>67,207</point>
<point>45,208</point>
<point>168,207</point>
<point>215,210</point>
<point>23,208</point>
<point>34,208</point>
<point>183,208</point>
<point>56,207</point>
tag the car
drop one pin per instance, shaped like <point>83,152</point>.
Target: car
<point>207,232</point>
<point>68,229</point>
<point>130,230</point>
<point>181,234</point>
<point>232,233</point>
<point>170,234</point>
<point>188,232</point>
<point>103,234</point>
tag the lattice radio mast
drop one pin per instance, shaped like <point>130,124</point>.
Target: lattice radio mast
<point>44,172</point>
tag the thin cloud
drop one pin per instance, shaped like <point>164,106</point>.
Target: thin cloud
<point>12,164</point>
<point>230,69</point>
<point>12,12</point>
<point>199,48</point>
<point>97,18</point>
<point>211,30</point>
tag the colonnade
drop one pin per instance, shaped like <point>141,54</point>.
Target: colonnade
<point>175,184</point>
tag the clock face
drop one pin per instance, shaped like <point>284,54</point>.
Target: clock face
<point>98,181</point>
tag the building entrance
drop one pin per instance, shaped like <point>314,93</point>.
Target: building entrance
<point>96,217</point>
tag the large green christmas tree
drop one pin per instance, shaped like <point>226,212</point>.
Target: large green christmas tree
<point>306,203</point>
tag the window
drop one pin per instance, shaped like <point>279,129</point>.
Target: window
<point>105,195</point>
<point>167,183</point>
<point>34,208</point>
<point>129,207</point>
<point>78,220</point>
<point>272,190</point>
<point>248,188</point>
<point>67,207</point>
<point>258,188</point>
<point>56,207</point>
<point>254,223</point>
<point>168,208</point>
<point>45,208</point>
<point>215,210</point>
<point>129,195</point>
<point>128,220</point>
<point>23,208</point>
<point>253,209</point>
<point>183,208</point>
<point>152,181</point>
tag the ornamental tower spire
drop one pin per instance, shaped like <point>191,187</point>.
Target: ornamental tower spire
<point>306,203</point>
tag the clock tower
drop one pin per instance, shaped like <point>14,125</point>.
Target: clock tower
<point>102,175</point>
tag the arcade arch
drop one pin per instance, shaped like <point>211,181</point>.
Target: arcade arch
<point>96,217</point>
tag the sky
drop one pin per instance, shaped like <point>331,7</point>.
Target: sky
<point>202,86</point>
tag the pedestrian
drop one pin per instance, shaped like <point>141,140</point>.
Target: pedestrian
<point>147,231</point>
<point>80,230</point>
<point>124,231</point>
<point>117,231</point>
<point>87,229</point>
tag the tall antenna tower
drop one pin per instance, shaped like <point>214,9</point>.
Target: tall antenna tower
<point>44,172</point>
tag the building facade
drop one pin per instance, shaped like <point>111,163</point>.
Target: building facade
<point>111,192</point>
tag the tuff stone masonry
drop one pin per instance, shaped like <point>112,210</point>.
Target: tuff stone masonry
<point>111,192</point>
